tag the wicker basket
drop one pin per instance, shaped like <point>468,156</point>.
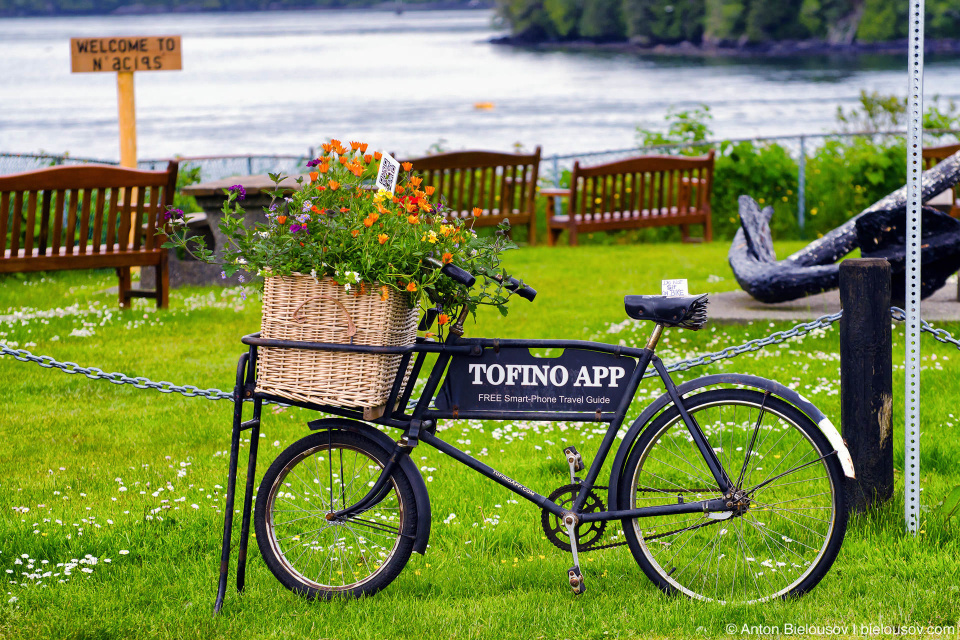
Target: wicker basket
<point>300,308</point>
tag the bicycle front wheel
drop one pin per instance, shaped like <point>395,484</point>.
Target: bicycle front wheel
<point>311,552</point>
<point>788,530</point>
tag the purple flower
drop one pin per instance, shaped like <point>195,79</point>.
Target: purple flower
<point>223,275</point>
<point>172,214</point>
<point>294,228</point>
<point>306,206</point>
<point>303,218</point>
<point>240,277</point>
<point>313,162</point>
<point>239,190</point>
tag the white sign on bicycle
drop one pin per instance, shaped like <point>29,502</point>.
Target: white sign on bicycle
<point>674,288</point>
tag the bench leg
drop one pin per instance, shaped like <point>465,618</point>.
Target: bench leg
<point>684,233</point>
<point>708,230</point>
<point>552,236</point>
<point>573,236</point>
<point>163,282</point>
<point>532,230</point>
<point>124,286</point>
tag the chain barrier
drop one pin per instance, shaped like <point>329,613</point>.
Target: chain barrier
<point>191,391</point>
<point>753,345</point>
<point>940,335</point>
<point>95,373</point>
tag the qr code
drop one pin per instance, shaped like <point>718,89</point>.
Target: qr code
<point>387,177</point>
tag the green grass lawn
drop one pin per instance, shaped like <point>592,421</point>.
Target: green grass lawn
<point>111,498</point>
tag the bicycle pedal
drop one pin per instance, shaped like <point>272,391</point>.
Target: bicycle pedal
<point>576,580</point>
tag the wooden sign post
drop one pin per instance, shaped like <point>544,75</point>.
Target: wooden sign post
<point>124,55</point>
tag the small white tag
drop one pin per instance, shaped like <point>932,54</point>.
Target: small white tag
<point>674,288</point>
<point>387,175</point>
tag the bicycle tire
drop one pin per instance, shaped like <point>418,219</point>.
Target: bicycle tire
<point>781,544</point>
<point>317,558</point>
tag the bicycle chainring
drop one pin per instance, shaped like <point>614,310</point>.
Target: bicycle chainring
<point>588,533</point>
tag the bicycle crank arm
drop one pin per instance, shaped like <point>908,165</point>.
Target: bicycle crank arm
<point>702,506</point>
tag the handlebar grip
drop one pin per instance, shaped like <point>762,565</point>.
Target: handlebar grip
<point>458,274</point>
<point>522,290</point>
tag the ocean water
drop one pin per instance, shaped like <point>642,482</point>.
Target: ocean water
<point>281,82</point>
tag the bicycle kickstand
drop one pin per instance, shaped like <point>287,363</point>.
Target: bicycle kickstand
<point>574,575</point>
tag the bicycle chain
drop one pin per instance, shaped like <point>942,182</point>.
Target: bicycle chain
<point>192,391</point>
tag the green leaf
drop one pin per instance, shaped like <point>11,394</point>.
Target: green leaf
<point>951,503</point>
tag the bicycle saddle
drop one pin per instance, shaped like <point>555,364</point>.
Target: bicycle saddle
<point>688,312</point>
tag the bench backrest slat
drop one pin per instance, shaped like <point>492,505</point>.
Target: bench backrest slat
<point>499,184</point>
<point>4,216</point>
<point>647,186</point>
<point>66,208</point>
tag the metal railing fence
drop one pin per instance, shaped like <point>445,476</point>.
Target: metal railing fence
<point>552,167</point>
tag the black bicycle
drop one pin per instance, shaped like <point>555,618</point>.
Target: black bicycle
<point>729,487</point>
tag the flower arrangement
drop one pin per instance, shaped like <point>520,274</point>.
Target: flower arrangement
<point>334,225</point>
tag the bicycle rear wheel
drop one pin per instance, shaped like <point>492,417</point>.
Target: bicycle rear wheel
<point>791,525</point>
<point>319,557</point>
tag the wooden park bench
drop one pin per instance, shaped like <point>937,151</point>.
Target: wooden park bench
<point>932,156</point>
<point>647,191</point>
<point>502,185</point>
<point>87,217</point>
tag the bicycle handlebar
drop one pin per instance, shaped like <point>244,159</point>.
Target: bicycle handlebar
<point>468,280</point>
<point>524,291</point>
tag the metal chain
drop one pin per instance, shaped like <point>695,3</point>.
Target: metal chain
<point>753,345</point>
<point>94,373</point>
<point>191,391</point>
<point>940,335</point>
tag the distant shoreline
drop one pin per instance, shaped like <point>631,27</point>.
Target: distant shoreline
<point>765,50</point>
<point>137,9</point>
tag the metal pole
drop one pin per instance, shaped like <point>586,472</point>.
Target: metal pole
<point>556,182</point>
<point>802,185</point>
<point>911,471</point>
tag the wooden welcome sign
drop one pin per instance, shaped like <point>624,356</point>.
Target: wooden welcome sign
<point>124,55</point>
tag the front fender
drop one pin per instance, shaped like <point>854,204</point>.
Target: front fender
<point>406,465</point>
<point>775,388</point>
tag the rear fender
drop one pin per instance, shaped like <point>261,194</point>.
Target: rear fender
<point>406,464</point>
<point>774,388</point>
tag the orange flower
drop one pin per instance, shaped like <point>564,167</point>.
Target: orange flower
<point>415,181</point>
<point>424,205</point>
<point>354,145</point>
<point>344,209</point>
<point>412,286</point>
<point>410,207</point>
<point>383,238</point>
<point>407,166</point>
<point>447,258</point>
<point>334,142</point>
<point>477,212</point>
<point>363,148</point>
<point>377,155</point>
<point>367,158</point>
<point>384,293</point>
<point>356,169</point>
<point>382,209</point>
<point>413,219</point>
<point>343,160</point>
<point>327,147</point>
<point>315,209</point>
<point>400,188</point>
<point>323,168</point>
<point>374,216</point>
<point>355,233</point>
<point>281,219</point>
<point>367,222</point>
<point>314,176</point>
<point>429,190</point>
<point>334,185</point>
<point>443,319</point>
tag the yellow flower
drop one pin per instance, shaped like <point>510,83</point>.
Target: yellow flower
<point>430,237</point>
<point>383,238</point>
